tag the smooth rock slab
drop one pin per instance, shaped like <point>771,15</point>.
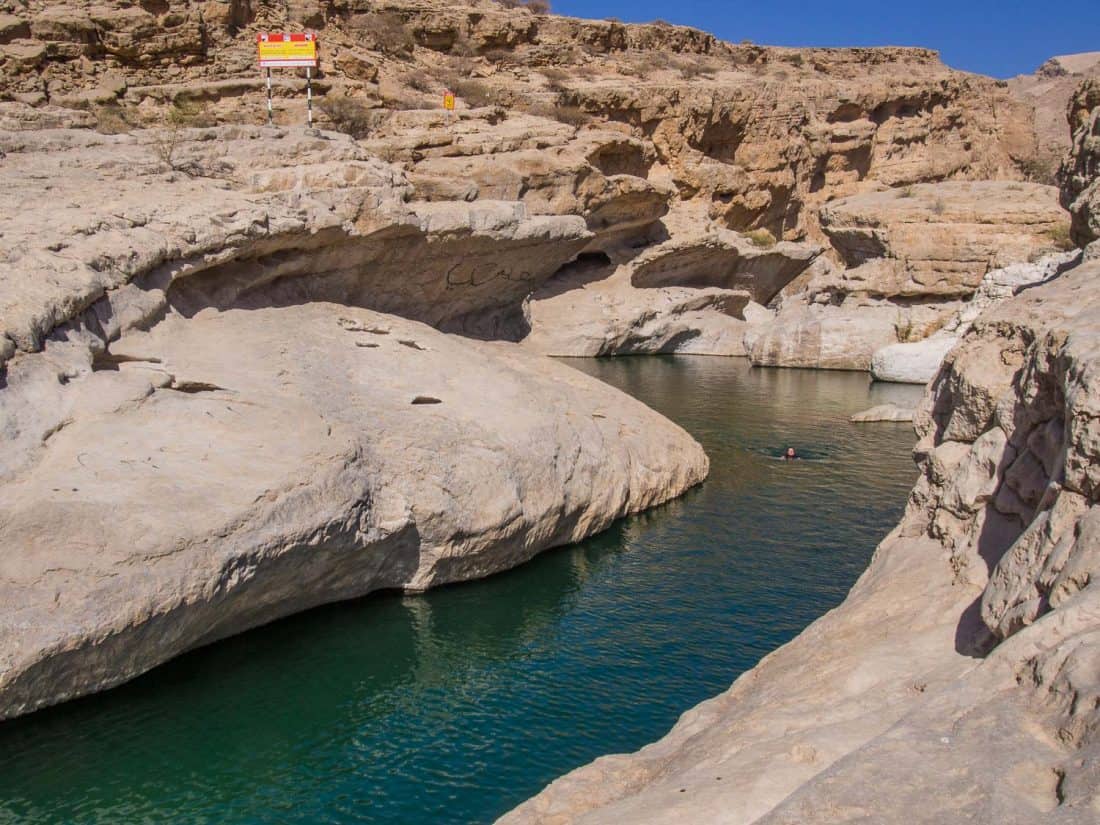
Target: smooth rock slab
<point>911,363</point>
<point>240,466</point>
<point>825,337</point>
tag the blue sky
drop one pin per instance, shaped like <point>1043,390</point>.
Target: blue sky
<point>996,38</point>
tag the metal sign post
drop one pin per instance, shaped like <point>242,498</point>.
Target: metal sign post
<point>288,50</point>
<point>309,97</point>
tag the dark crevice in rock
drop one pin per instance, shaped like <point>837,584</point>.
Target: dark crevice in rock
<point>106,360</point>
<point>195,387</point>
<point>586,268</point>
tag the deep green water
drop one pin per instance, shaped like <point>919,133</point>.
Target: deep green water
<point>455,706</point>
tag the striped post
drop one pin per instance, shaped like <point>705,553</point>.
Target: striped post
<point>270,116</point>
<point>309,96</point>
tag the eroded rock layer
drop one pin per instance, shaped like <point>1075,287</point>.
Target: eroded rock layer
<point>762,135</point>
<point>1080,174</point>
<point>620,125</point>
<point>908,259</point>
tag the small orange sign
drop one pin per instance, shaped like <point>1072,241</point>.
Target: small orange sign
<point>281,49</point>
<point>449,101</point>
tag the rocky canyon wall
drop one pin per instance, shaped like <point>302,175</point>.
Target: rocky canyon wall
<point>653,134</point>
<point>1081,170</point>
<point>196,310</point>
<point>763,135</point>
<point>959,678</point>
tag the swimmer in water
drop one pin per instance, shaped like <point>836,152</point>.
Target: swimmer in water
<point>790,455</point>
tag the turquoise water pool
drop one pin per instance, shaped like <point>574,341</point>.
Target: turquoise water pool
<point>455,706</point>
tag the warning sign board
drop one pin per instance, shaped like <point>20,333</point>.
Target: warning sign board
<point>449,101</point>
<point>279,49</point>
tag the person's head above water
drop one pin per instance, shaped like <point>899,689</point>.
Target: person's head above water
<point>791,453</point>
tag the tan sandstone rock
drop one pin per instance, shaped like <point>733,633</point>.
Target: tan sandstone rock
<point>251,209</point>
<point>940,239</point>
<point>910,255</point>
<point>958,680</point>
<point>687,294</point>
<point>1081,171</point>
<point>762,136</point>
<point>305,468</point>
<point>917,362</point>
<point>186,346</point>
<point>1049,90</point>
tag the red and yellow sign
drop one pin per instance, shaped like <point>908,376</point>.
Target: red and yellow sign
<point>449,101</point>
<point>279,49</point>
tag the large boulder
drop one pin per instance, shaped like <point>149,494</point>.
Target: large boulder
<point>186,344</point>
<point>825,336</point>
<point>336,452</point>
<point>911,363</point>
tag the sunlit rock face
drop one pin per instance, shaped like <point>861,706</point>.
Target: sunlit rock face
<point>958,678</point>
<point>909,258</point>
<point>1081,171</point>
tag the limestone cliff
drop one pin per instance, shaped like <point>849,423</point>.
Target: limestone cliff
<point>763,135</point>
<point>1049,90</point>
<point>619,124</point>
<point>959,679</point>
<point>912,259</point>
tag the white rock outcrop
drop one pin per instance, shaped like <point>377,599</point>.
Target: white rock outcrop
<point>917,362</point>
<point>911,363</point>
<point>226,469</point>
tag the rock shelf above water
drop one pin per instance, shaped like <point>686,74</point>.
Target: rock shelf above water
<point>223,470</point>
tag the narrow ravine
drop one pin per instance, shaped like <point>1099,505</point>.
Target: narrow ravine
<point>455,706</point>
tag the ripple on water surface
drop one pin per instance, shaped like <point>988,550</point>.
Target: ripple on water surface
<point>455,706</point>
